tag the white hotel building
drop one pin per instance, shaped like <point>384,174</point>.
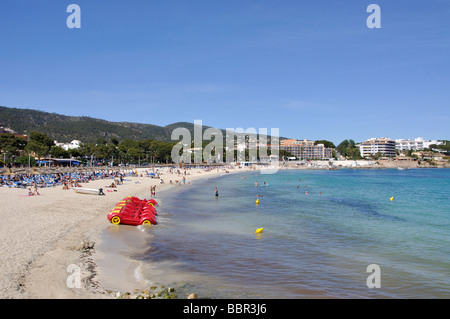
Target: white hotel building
<point>383,146</point>
<point>416,144</point>
<point>72,145</point>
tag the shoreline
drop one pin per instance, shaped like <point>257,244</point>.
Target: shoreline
<point>115,269</point>
<point>43,235</point>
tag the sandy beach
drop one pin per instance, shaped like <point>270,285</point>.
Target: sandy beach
<point>43,235</point>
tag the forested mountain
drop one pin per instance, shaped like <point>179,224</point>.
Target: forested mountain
<point>86,129</point>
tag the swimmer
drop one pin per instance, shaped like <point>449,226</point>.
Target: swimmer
<point>216,193</point>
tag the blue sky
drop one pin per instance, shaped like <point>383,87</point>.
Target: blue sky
<point>313,69</point>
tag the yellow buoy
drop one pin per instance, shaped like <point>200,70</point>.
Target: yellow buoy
<point>391,199</point>
<point>257,201</point>
<point>259,230</point>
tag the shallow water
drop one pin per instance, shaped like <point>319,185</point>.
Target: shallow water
<point>316,245</point>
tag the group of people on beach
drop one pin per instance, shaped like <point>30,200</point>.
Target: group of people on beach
<point>33,192</point>
<point>177,182</point>
<point>59,178</point>
<point>32,182</point>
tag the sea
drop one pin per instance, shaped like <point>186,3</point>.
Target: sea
<point>347,233</point>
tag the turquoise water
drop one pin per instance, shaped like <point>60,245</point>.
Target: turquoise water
<point>316,245</point>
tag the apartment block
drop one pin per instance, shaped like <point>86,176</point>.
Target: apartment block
<point>306,149</point>
<point>383,145</point>
<point>416,144</point>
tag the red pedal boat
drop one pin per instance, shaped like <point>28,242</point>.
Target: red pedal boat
<point>134,211</point>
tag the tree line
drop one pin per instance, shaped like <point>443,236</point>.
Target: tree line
<point>17,150</point>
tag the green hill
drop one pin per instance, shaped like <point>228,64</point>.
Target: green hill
<point>86,129</point>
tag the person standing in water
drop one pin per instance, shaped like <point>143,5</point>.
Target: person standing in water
<point>216,192</point>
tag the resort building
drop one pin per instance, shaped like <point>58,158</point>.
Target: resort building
<point>416,144</point>
<point>306,149</point>
<point>383,146</point>
<point>69,146</point>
